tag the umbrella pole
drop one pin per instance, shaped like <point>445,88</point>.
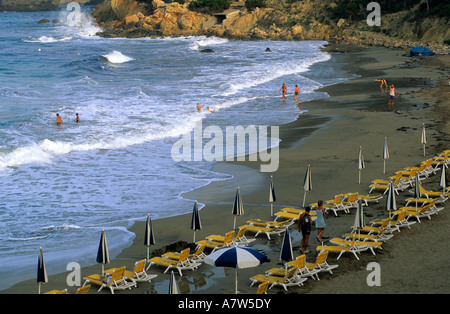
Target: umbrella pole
<point>271,208</point>
<point>234,225</point>
<point>235,280</point>
<point>148,251</point>
<point>194,236</point>
<point>384,166</point>
<point>103,269</point>
<point>39,288</point>
<point>359,177</point>
<point>304,197</point>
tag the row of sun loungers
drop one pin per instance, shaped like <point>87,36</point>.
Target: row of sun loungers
<point>295,273</point>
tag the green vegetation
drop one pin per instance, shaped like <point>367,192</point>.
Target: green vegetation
<point>252,4</point>
<point>209,6</point>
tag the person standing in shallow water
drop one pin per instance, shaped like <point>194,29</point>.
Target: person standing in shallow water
<point>296,92</point>
<point>77,118</point>
<point>59,120</point>
<point>283,90</point>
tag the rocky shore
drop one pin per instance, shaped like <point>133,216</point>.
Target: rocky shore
<point>277,21</point>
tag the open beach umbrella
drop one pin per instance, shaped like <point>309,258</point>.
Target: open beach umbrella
<point>385,154</point>
<point>173,286</point>
<point>359,217</point>
<point>391,203</point>
<point>196,224</point>
<point>423,139</point>
<point>235,257</point>
<point>41,271</point>
<point>238,206</point>
<point>103,254</point>
<point>272,197</point>
<point>443,182</point>
<point>307,185</point>
<point>417,193</point>
<point>361,164</point>
<point>149,237</point>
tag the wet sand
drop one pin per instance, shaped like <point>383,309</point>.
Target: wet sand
<point>327,137</point>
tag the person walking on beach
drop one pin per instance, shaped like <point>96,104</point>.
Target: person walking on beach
<point>77,118</point>
<point>383,83</point>
<point>392,94</point>
<point>296,92</point>
<point>59,120</point>
<point>283,90</point>
<point>320,221</point>
<point>304,225</point>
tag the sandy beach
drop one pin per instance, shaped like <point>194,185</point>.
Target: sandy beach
<point>327,137</point>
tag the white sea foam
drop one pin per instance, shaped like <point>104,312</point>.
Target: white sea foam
<point>48,39</point>
<point>117,57</point>
<point>207,41</point>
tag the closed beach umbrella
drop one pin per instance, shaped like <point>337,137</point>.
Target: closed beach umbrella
<point>238,206</point>
<point>149,237</point>
<point>385,154</point>
<point>173,286</point>
<point>443,182</point>
<point>359,217</point>
<point>391,203</point>
<point>235,257</point>
<point>423,139</point>
<point>272,197</point>
<point>286,254</point>
<point>103,254</point>
<point>41,271</point>
<point>307,184</point>
<point>361,164</point>
<point>286,247</point>
<point>417,193</point>
<point>195,221</point>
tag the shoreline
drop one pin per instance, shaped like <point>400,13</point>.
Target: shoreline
<point>355,114</point>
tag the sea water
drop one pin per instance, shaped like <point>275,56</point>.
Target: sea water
<point>61,185</point>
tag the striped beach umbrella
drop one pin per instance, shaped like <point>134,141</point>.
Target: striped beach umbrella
<point>173,286</point>
<point>423,139</point>
<point>443,182</point>
<point>149,237</point>
<point>361,164</point>
<point>235,257</point>
<point>272,197</point>
<point>103,253</point>
<point>41,271</point>
<point>238,206</point>
<point>391,203</point>
<point>307,184</point>
<point>196,224</point>
<point>385,154</point>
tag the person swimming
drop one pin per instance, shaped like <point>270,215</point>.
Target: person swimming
<point>199,109</point>
<point>59,120</point>
<point>214,110</point>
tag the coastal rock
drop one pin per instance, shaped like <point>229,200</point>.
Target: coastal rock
<point>44,21</point>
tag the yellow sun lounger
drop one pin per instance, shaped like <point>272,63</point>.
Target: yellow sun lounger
<point>289,280</point>
<point>139,274</point>
<point>211,244</point>
<point>351,248</point>
<point>372,244</point>
<point>264,230</point>
<point>198,256</point>
<point>300,264</point>
<point>181,264</point>
<point>115,280</point>
<point>270,223</point>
